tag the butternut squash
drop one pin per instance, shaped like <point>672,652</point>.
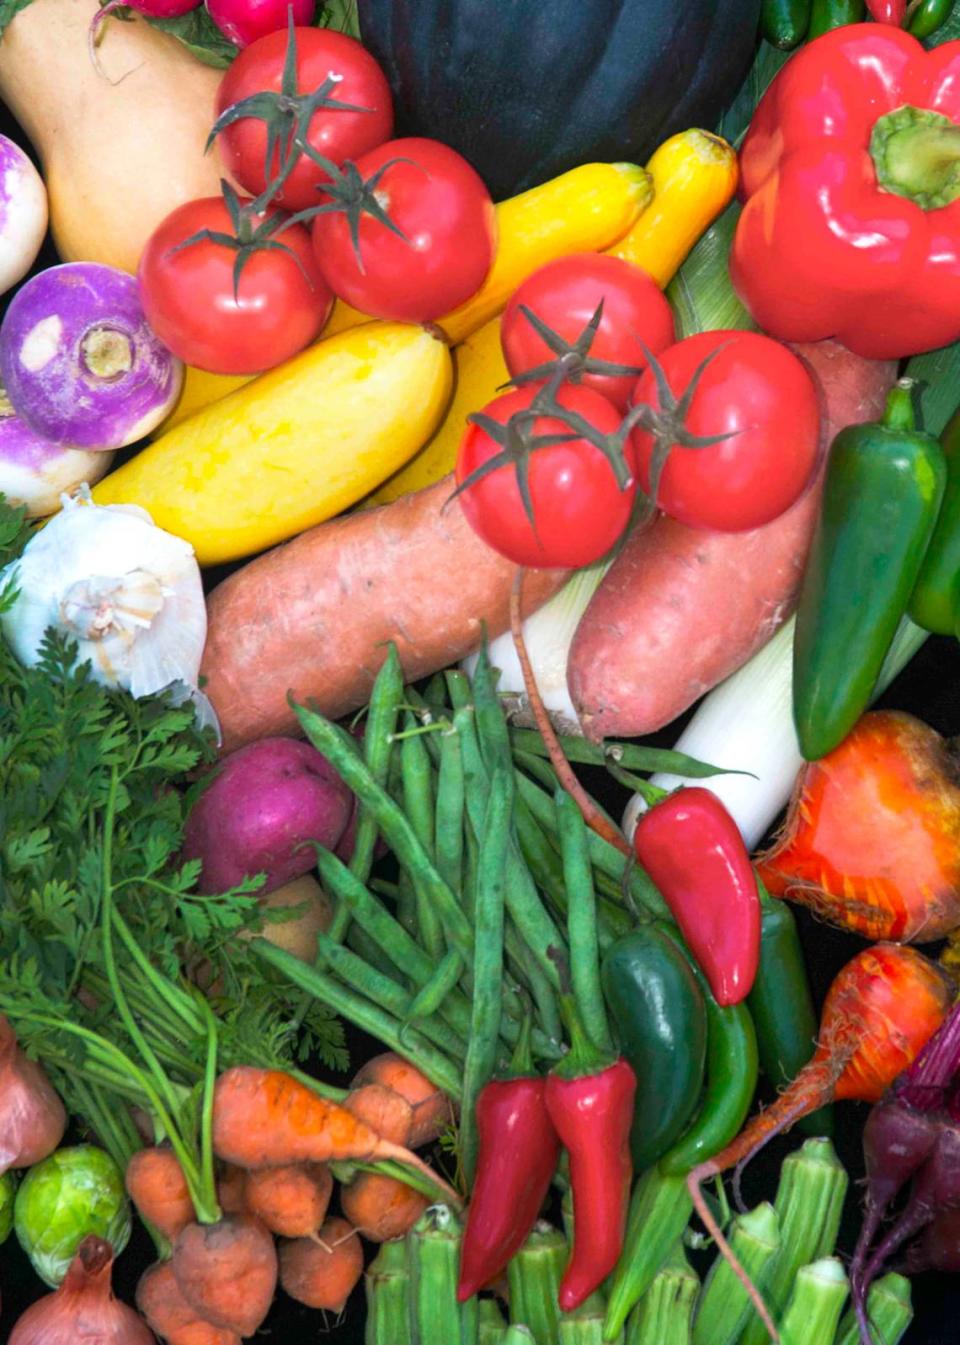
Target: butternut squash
<point>120,149</point>
<point>297,445</point>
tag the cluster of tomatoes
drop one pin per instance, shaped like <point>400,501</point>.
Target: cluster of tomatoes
<point>402,229</point>
<point>608,411</point>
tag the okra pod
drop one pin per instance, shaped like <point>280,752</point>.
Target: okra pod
<point>534,1275</point>
<point>889,1310</point>
<point>664,1316</point>
<point>808,1205</point>
<point>433,1262</point>
<point>387,1286</point>
<point>660,1210</point>
<point>585,1325</point>
<point>816,1302</point>
<point>491,1325</point>
<point>518,1335</point>
<point>724,1307</point>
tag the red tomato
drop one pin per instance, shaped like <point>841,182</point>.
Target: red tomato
<point>578,507</point>
<point>759,396</point>
<point>337,135</point>
<point>189,301</point>
<point>445,212</point>
<point>565,293</point>
<point>243,21</point>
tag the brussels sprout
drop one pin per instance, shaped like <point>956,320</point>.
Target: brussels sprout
<point>8,1187</point>
<point>69,1195</point>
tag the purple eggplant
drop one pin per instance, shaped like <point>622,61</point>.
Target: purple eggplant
<point>79,361</point>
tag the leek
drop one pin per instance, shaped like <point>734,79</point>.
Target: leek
<point>746,724</point>
<point>548,633</point>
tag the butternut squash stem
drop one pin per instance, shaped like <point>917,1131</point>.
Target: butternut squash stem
<point>593,818</point>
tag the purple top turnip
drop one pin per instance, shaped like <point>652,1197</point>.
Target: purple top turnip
<point>34,472</point>
<point>266,803</point>
<point>23,214</point>
<point>80,362</point>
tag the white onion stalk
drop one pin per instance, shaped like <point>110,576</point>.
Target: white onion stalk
<point>548,634</point>
<point>746,724</point>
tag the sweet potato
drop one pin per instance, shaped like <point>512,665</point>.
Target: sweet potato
<point>681,609</point>
<point>313,616</point>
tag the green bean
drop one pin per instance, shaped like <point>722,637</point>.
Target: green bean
<point>386,992</point>
<point>632,756</point>
<point>492,730</point>
<point>330,739</point>
<point>366,948</point>
<point>417,776</point>
<point>542,859</point>
<point>548,778</point>
<point>545,1001</point>
<point>382,716</point>
<point>487,961</point>
<point>581,919</point>
<point>449,821</point>
<point>363,1013</point>
<point>431,996</point>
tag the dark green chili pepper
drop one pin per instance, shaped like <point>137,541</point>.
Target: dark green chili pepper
<point>933,601</point>
<point>827,14</point>
<point>658,1011</point>
<point>784,22</point>
<point>928,16</point>
<point>882,493</point>
<point>781,1007</point>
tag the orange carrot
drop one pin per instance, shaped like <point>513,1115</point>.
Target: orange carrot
<point>880,1011</point>
<point>156,1185</point>
<point>432,1110</point>
<point>323,1273</point>
<point>264,1118</point>
<point>231,1185</point>
<point>291,1201</point>
<point>227,1271</point>
<point>381,1208</point>
<point>170,1316</point>
<point>383,1110</point>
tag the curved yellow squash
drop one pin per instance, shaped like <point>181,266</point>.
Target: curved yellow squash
<point>200,388</point>
<point>294,447</point>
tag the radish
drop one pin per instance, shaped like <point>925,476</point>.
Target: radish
<point>243,21</point>
<point>35,473</point>
<point>23,214</point>
<point>79,361</point>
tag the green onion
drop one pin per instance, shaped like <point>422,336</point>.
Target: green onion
<point>724,1307</point>
<point>889,1309</point>
<point>819,1293</point>
<point>664,1314</point>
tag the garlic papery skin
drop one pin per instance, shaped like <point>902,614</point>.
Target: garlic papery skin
<point>127,592</point>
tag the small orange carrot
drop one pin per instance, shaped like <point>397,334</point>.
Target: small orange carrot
<point>381,1208</point>
<point>231,1185</point>
<point>872,837</point>
<point>881,1010</point>
<point>291,1201</point>
<point>227,1271</point>
<point>264,1118</point>
<point>170,1316</point>
<point>156,1185</point>
<point>383,1110</point>
<point>432,1109</point>
<point>324,1272</point>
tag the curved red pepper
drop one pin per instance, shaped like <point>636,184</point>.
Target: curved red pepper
<point>518,1152</point>
<point>592,1114</point>
<point>822,248</point>
<point>691,848</point>
<point>888,11</point>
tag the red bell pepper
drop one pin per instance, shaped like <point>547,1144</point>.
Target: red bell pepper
<point>589,1097</point>
<point>691,848</point>
<point>850,175</point>
<point>518,1153</point>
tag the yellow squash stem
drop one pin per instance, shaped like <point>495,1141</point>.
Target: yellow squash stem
<point>294,447</point>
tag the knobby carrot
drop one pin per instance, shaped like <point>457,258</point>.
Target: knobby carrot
<point>156,1185</point>
<point>231,1185</point>
<point>170,1316</point>
<point>227,1271</point>
<point>323,1273</point>
<point>432,1111</point>
<point>880,1011</point>
<point>383,1110</point>
<point>292,1200</point>
<point>265,1118</point>
<point>381,1208</point>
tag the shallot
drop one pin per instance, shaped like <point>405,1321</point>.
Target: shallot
<point>83,1308</point>
<point>32,1117</point>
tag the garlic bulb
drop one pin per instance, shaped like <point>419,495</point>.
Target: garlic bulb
<point>127,592</point>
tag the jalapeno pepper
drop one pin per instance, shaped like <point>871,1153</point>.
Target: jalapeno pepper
<point>883,489</point>
<point>827,14</point>
<point>692,849</point>
<point>784,22</point>
<point>933,601</point>
<point>928,16</point>
<point>660,1017</point>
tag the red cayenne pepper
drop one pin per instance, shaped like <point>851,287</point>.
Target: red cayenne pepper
<point>691,848</point>
<point>888,11</point>
<point>518,1153</point>
<point>589,1096</point>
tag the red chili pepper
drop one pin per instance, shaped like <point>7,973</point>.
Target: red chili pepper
<point>691,848</point>
<point>888,11</point>
<point>589,1099</point>
<point>850,176</point>
<point>518,1152</point>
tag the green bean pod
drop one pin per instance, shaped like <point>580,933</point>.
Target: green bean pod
<point>449,821</point>
<point>581,919</point>
<point>382,716</point>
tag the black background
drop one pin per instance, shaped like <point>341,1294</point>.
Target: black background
<point>927,688</point>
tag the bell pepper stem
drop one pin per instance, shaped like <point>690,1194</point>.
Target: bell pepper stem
<point>916,153</point>
<point>899,413</point>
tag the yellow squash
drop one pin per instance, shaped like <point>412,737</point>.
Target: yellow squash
<point>694,177</point>
<point>200,388</point>
<point>480,369</point>
<point>294,447</point>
